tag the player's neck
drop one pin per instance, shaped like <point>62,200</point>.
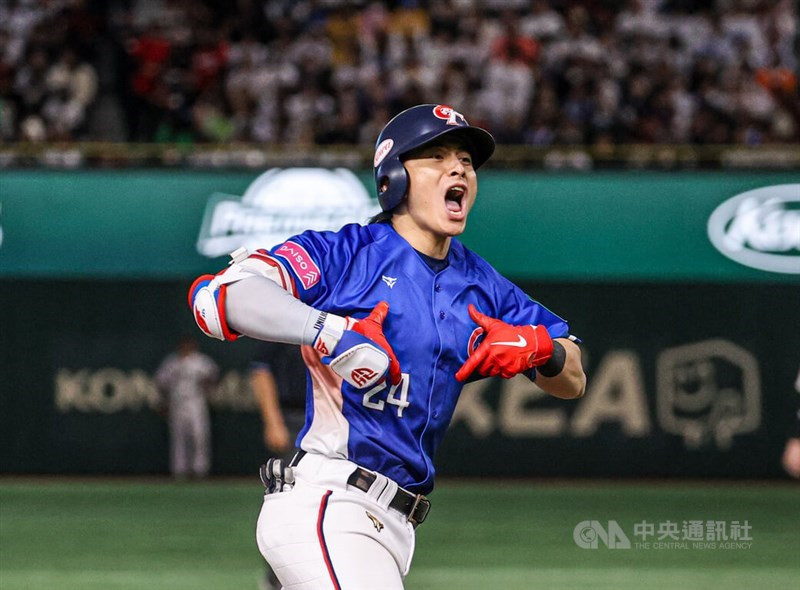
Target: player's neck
<point>435,246</point>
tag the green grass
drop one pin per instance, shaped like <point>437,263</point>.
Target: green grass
<point>105,534</point>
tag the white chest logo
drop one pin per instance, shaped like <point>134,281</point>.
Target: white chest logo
<point>389,280</point>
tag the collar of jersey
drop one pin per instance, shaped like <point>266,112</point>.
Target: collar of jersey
<point>385,231</point>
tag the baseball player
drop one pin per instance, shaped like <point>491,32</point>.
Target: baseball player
<point>184,378</point>
<point>393,317</point>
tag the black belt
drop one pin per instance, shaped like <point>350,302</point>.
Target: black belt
<point>414,506</point>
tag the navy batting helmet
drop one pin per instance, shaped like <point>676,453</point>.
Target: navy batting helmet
<point>414,128</point>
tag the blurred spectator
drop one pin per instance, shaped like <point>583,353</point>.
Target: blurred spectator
<point>639,20</point>
<point>542,22</point>
<point>72,86</point>
<point>342,30</point>
<point>304,72</point>
<point>150,52</point>
<point>184,379</point>
<point>208,60</point>
<point>504,100</point>
<point>211,118</point>
<point>30,85</point>
<point>8,103</point>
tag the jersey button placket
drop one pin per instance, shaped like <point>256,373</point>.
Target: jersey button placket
<point>442,315</point>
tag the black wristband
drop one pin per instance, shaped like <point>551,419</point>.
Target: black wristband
<point>556,362</point>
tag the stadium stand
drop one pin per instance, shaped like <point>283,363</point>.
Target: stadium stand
<point>294,73</point>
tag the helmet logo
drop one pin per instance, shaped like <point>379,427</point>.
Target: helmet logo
<point>452,116</point>
<point>383,150</point>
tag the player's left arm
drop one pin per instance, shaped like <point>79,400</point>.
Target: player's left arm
<point>523,336</point>
<point>569,379</point>
<point>509,349</point>
<point>561,374</point>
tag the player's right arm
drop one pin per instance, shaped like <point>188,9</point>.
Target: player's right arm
<point>276,434</point>
<point>253,297</point>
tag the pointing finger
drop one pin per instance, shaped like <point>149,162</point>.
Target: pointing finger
<point>482,320</point>
<point>378,314</point>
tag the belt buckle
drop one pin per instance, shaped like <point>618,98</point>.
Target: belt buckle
<point>424,505</point>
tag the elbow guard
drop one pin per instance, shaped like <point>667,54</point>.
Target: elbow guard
<point>207,295</point>
<point>207,300</point>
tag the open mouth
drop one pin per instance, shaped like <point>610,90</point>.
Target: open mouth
<point>454,197</point>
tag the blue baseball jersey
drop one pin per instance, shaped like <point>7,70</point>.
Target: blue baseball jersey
<point>396,430</point>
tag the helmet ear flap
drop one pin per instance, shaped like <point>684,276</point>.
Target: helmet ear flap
<point>392,180</point>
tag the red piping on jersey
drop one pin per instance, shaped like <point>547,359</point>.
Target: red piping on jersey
<point>285,275</point>
<point>323,505</point>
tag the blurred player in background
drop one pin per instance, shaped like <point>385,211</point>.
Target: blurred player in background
<point>278,379</point>
<point>791,452</point>
<point>393,317</point>
<point>184,379</point>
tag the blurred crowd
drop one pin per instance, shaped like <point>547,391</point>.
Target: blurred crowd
<point>302,72</point>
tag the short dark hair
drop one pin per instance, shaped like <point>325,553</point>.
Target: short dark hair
<point>382,217</point>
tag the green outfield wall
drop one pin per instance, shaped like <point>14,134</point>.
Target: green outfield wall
<point>604,226</point>
<point>691,355</point>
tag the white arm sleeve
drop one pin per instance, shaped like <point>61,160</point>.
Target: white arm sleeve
<point>260,308</point>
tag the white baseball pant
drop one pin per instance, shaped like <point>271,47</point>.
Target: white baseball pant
<point>325,534</point>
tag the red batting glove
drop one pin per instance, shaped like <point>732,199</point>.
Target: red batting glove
<point>506,350</point>
<point>372,327</point>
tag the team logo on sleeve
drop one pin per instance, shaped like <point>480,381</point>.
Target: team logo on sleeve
<point>300,261</point>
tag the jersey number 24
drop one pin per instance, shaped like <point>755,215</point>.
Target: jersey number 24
<point>397,396</point>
